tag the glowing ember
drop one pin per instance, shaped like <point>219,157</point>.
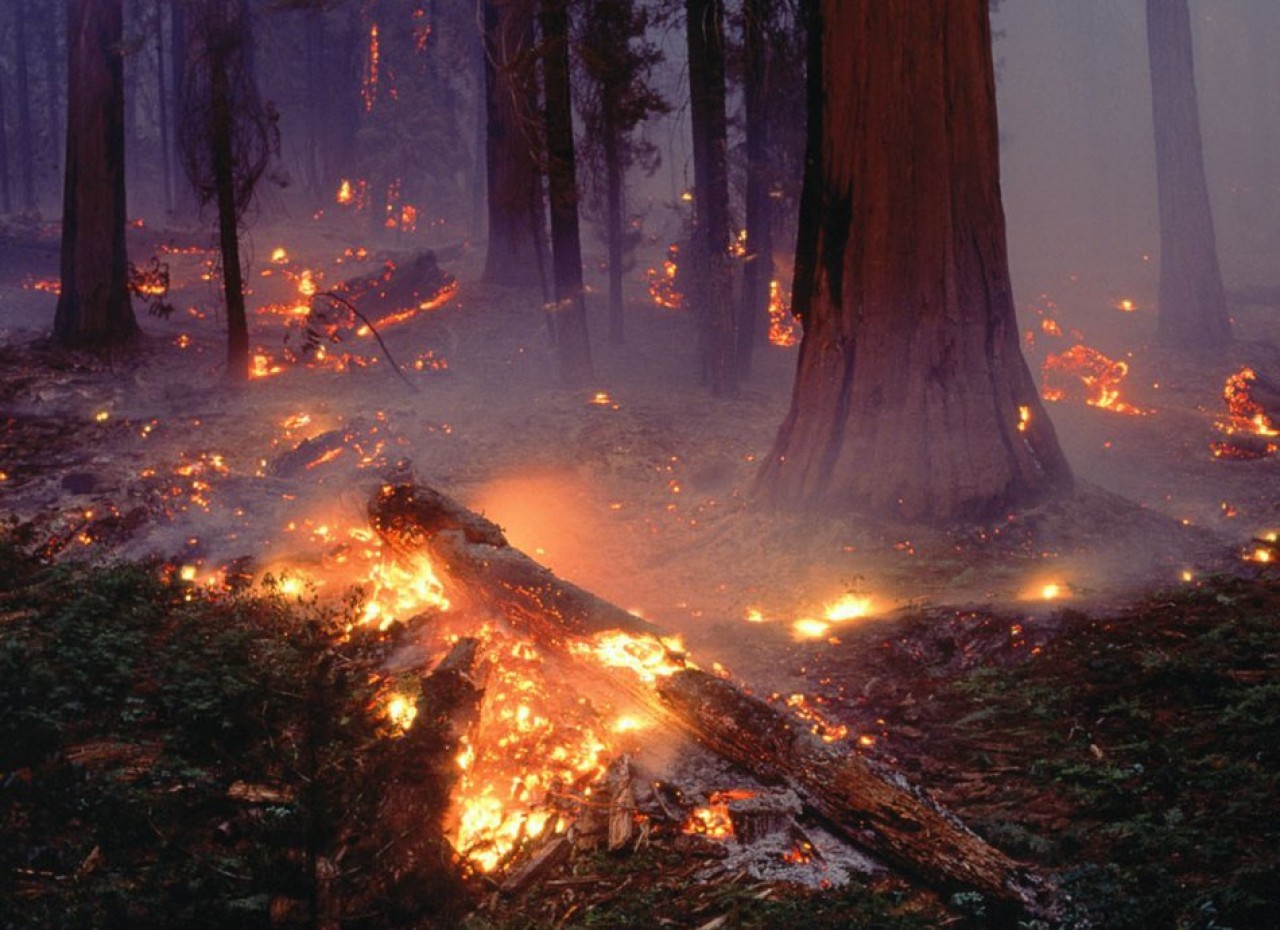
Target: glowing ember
<point>401,711</point>
<point>1125,305</point>
<point>662,284</point>
<point>369,86</point>
<point>1251,426</point>
<point>261,365</point>
<point>808,628</point>
<point>1024,418</point>
<point>1052,591</point>
<point>1099,377</point>
<point>849,607</point>
<point>279,256</point>
<point>714,820</point>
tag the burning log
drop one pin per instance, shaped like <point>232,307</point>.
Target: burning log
<point>870,806</point>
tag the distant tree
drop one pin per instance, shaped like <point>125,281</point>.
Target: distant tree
<point>1192,308</point>
<point>569,314</point>
<point>912,398</point>
<point>228,140</point>
<point>757,271</point>
<point>514,255</point>
<point>6,202</point>
<point>615,95</point>
<point>94,309</point>
<point>711,293</point>
<point>26,132</point>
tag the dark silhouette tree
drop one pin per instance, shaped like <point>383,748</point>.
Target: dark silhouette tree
<point>94,309</point>
<point>6,202</point>
<point>228,139</point>
<point>568,315</point>
<point>26,132</point>
<point>1192,307</point>
<point>912,398</point>
<point>614,96</point>
<point>517,241</point>
<point>757,271</point>
<point>712,277</point>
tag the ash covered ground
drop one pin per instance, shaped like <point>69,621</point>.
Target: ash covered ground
<point>638,488</point>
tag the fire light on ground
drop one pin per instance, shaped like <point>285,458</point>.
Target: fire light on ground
<point>1093,377</point>
<point>662,284</point>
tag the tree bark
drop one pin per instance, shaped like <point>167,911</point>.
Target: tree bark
<point>514,252</point>
<point>912,398</point>
<point>611,146</point>
<point>6,202</point>
<point>1192,308</point>
<point>569,315</point>
<point>758,269</point>
<point>220,142</point>
<point>711,294</point>
<point>870,806</point>
<point>94,309</point>
<point>26,136</point>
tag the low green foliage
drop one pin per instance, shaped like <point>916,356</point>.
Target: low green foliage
<point>134,704</point>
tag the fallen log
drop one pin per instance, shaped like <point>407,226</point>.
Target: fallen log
<point>868,804</point>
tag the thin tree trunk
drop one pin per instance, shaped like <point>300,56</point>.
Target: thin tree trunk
<point>166,152</point>
<point>516,240</point>
<point>570,314</point>
<point>912,398</point>
<point>6,203</point>
<point>611,145</point>
<point>228,230</point>
<point>1192,309</point>
<point>26,137</point>
<point>758,270</point>
<point>53,91</point>
<point>183,198</point>
<point>94,309</point>
<point>712,294</point>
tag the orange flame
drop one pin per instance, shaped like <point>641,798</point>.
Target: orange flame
<point>1098,376</point>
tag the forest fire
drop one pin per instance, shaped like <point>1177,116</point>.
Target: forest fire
<point>782,325</point>
<point>662,284</point>
<point>1086,373</point>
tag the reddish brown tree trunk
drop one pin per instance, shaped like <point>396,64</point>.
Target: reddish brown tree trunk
<point>711,294</point>
<point>94,309</point>
<point>569,316</point>
<point>912,398</point>
<point>1192,301</point>
<point>514,253</point>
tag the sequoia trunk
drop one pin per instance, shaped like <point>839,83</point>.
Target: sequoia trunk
<point>912,398</point>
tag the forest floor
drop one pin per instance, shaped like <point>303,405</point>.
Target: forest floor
<point>1090,685</point>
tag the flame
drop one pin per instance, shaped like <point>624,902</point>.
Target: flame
<point>1099,376</point>
<point>649,657</point>
<point>1125,305</point>
<point>1246,417</point>
<point>849,607</point>
<point>279,256</point>
<point>369,86</point>
<point>662,284</point>
<point>401,589</point>
<point>809,628</point>
<point>401,711</point>
<point>1024,418</point>
<point>782,326</point>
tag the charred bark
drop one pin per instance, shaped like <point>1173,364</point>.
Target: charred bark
<point>869,805</point>
<point>221,160</point>
<point>757,271</point>
<point>1192,309</point>
<point>569,315</point>
<point>711,295</point>
<point>912,398</point>
<point>94,309</point>
<point>515,244</point>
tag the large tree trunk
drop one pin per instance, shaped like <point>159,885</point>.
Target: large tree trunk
<point>569,316</point>
<point>912,398</point>
<point>94,309</point>
<point>758,270</point>
<point>162,98</point>
<point>514,253</point>
<point>1192,301</point>
<point>183,197</point>
<point>711,294</point>
<point>870,806</point>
